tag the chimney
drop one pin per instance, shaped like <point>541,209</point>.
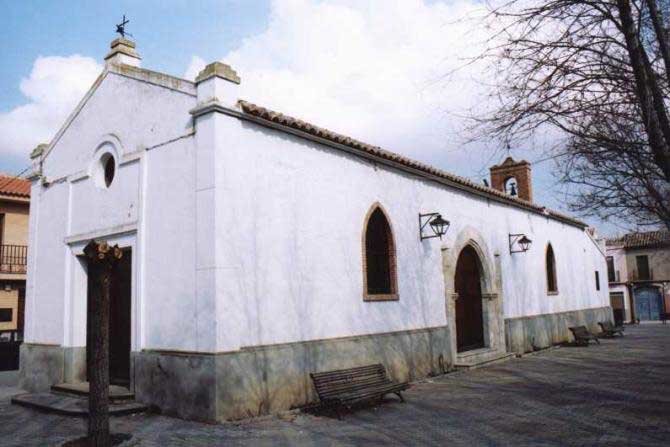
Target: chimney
<point>217,82</point>
<point>123,52</point>
<point>513,178</point>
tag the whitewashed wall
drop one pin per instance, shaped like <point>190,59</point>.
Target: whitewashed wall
<point>620,265</point>
<point>244,236</point>
<point>291,244</point>
<point>149,207</point>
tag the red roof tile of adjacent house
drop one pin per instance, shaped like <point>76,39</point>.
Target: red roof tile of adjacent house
<point>14,186</point>
<point>642,240</point>
<point>311,129</point>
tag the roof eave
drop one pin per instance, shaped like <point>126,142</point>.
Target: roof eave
<point>218,107</point>
<point>14,198</point>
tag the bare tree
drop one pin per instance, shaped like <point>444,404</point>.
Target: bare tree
<point>599,71</point>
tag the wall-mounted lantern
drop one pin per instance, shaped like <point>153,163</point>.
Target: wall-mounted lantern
<point>435,222</point>
<point>519,243</point>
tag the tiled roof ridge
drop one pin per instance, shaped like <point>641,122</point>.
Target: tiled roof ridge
<point>641,239</point>
<point>304,126</point>
<point>14,186</point>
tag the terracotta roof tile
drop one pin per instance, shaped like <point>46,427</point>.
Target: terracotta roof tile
<point>642,240</point>
<point>295,123</point>
<point>13,186</point>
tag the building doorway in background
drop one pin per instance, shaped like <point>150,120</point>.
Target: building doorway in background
<point>469,316</point>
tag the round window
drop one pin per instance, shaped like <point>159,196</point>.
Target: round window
<point>108,168</point>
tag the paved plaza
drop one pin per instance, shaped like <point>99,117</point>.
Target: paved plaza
<point>617,393</point>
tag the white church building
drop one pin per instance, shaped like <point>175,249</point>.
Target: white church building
<point>260,248</point>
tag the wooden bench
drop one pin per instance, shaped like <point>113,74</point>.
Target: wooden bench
<point>346,387</point>
<point>609,329</point>
<point>583,336</point>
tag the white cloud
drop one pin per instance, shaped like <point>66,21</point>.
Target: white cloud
<point>55,85</point>
<point>194,67</point>
<point>376,70</point>
<point>373,70</point>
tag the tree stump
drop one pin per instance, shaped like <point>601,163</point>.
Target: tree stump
<point>102,261</point>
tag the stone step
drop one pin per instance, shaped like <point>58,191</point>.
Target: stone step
<point>481,357</point>
<point>80,389</point>
<point>71,405</point>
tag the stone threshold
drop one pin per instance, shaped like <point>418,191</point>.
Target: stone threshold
<point>481,357</point>
<point>81,389</point>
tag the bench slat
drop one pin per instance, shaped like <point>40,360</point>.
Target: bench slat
<point>352,388</point>
<point>610,329</point>
<point>348,372</point>
<point>386,388</point>
<point>369,392</point>
<point>370,395</point>
<point>582,335</point>
<point>347,386</point>
<point>346,379</point>
<point>345,383</point>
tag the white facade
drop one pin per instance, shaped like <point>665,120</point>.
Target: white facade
<point>243,235</point>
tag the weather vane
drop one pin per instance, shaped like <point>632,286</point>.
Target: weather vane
<point>121,27</point>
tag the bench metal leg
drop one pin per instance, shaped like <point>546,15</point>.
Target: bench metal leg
<point>402,399</point>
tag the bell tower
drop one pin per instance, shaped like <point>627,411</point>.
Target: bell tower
<point>514,178</point>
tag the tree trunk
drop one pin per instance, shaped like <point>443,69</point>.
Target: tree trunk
<point>661,34</point>
<point>98,375</point>
<point>644,87</point>
<point>102,260</point>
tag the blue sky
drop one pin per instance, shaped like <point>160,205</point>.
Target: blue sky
<point>169,31</point>
<point>370,69</point>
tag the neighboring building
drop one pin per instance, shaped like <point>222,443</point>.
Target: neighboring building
<point>638,271</point>
<point>14,206</point>
<point>260,248</point>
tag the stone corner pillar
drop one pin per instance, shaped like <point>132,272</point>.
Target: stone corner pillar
<point>217,83</point>
<point>217,88</point>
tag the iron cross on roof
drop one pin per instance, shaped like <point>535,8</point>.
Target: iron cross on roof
<point>121,27</point>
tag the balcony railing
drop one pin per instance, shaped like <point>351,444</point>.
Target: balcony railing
<point>645,276</point>
<point>13,258</point>
<point>613,276</point>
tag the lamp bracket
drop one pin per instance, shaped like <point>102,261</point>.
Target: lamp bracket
<point>424,221</point>
<point>513,239</point>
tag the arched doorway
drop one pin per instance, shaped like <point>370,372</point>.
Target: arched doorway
<point>469,318</point>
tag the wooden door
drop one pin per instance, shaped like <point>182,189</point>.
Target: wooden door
<point>469,318</point>
<point>648,305</point>
<point>119,322</point>
<point>618,310</point>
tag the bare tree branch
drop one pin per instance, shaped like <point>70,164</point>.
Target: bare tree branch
<point>598,71</point>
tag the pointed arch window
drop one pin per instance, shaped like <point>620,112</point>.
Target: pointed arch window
<point>379,259</point>
<point>552,285</point>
